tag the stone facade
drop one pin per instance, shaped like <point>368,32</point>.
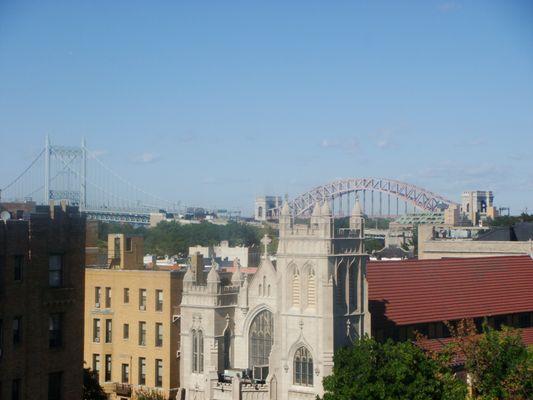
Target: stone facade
<point>41,302</point>
<point>273,335</point>
<point>247,256</point>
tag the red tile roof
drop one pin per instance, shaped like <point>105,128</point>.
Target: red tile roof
<point>416,291</point>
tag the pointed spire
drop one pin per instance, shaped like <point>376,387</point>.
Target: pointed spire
<point>285,210</point>
<point>213,276</point>
<point>317,210</point>
<point>326,211</point>
<point>236,277</point>
<point>189,275</point>
<point>356,210</point>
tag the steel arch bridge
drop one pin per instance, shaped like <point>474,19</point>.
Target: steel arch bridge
<point>417,197</point>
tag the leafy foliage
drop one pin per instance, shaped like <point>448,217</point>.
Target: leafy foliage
<point>499,364</point>
<point>148,394</point>
<point>505,220</point>
<point>91,388</point>
<point>391,371</point>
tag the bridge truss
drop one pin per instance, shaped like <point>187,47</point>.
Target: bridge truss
<point>344,190</point>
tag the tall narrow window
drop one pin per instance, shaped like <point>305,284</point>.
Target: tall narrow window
<point>108,330</point>
<point>126,295</point>
<point>108,367</point>
<point>303,367</point>
<point>296,289</point>
<point>125,373</point>
<point>55,330</point>
<point>55,386</point>
<point>18,268</point>
<point>142,371</point>
<point>16,389</point>
<point>227,349</point>
<point>158,373</point>
<point>1,338</point>
<point>55,270</point>
<point>96,330</point>
<point>97,296</point>
<point>311,289</point>
<point>142,299</point>
<point>107,297</point>
<point>126,331</point>
<point>17,330</point>
<point>96,365</point>
<point>352,286</point>
<point>142,333</point>
<point>341,285</point>
<point>158,334</point>
<point>197,351</point>
<point>159,300</point>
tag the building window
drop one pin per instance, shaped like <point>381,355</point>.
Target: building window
<point>54,385</point>
<point>96,365</point>
<point>197,351</point>
<point>125,373</point>
<point>158,373</point>
<point>129,247</point>
<point>126,295</point>
<point>18,267</point>
<point>142,333</point>
<point>96,330</point>
<point>17,330</point>
<point>54,330</point>
<point>126,331</point>
<point>142,299</point>
<point>108,367</point>
<point>227,349</point>
<point>142,371</point>
<point>55,270</point>
<point>108,330</point>
<point>107,297</point>
<point>311,289</point>
<point>158,334</point>
<point>296,289</point>
<point>260,343</point>
<point>97,296</point>
<point>159,300</point>
<point>16,389</point>
<point>303,367</point>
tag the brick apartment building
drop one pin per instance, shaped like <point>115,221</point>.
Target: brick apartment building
<point>132,329</point>
<point>41,302</point>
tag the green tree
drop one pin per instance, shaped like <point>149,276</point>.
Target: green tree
<point>91,388</point>
<point>500,366</point>
<point>148,394</point>
<point>370,370</point>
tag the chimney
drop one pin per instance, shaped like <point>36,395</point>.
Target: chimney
<point>197,263</point>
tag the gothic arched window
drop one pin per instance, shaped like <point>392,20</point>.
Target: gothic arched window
<point>303,367</point>
<point>197,351</point>
<point>261,338</point>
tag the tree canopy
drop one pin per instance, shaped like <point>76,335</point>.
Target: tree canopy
<point>370,370</point>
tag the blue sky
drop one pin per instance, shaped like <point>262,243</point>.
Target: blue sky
<point>213,103</point>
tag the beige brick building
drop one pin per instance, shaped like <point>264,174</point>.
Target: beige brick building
<point>41,302</point>
<point>131,322</point>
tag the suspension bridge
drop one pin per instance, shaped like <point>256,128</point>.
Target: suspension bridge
<point>77,175</point>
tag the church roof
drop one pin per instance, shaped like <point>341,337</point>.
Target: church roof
<point>416,291</point>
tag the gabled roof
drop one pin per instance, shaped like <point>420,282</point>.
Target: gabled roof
<point>417,291</point>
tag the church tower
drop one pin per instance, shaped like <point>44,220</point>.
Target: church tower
<point>322,301</point>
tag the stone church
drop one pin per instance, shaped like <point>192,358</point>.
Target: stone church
<point>272,335</point>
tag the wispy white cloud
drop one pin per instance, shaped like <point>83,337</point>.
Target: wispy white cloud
<point>349,145</point>
<point>147,158</point>
<point>97,153</point>
<point>448,6</point>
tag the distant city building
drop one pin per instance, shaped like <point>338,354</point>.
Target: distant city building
<point>440,242</point>
<point>247,256</point>
<point>263,204</point>
<point>273,334</point>
<point>478,205</point>
<point>132,321</point>
<point>41,301</point>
